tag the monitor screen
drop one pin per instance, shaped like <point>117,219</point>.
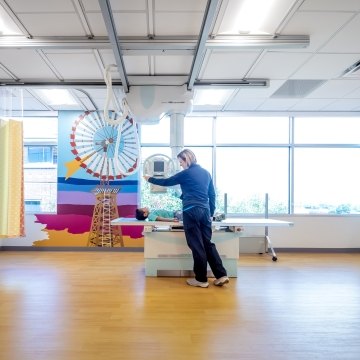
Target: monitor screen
<point>159,166</point>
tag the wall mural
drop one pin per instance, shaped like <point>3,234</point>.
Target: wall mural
<point>93,157</point>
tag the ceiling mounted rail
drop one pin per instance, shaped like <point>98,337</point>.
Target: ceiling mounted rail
<point>209,17</point>
<point>144,45</point>
<point>59,84</point>
<point>111,30</point>
<point>232,84</point>
<point>259,41</point>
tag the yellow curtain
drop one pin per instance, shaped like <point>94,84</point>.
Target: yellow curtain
<point>11,179</point>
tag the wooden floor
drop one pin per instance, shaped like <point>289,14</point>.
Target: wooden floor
<point>99,305</point>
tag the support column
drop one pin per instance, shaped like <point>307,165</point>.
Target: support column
<point>176,136</point>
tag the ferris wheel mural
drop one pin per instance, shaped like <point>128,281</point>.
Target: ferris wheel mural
<point>106,151</point>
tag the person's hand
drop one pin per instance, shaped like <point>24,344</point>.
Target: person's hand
<point>146,177</point>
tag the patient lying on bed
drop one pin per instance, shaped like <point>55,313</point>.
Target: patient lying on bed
<point>158,214</point>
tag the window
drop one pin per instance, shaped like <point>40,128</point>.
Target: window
<point>32,206</point>
<point>204,157</point>
<point>40,154</point>
<point>326,181</point>
<point>330,130</point>
<point>40,164</point>
<point>246,175</point>
<point>326,154</point>
<point>306,165</point>
<point>152,136</point>
<point>158,133</point>
<point>195,126</point>
<point>252,130</point>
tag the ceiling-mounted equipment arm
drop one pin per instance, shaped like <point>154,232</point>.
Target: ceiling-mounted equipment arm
<point>120,115</point>
<point>209,17</point>
<point>119,112</point>
<point>111,30</point>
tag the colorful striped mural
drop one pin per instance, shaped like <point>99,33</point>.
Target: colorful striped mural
<point>87,161</point>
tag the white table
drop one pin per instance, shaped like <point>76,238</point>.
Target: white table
<point>165,246</point>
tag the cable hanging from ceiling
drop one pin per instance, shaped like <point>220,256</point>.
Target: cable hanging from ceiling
<point>119,115</point>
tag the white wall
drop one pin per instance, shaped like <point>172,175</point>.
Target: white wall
<point>309,231</point>
<point>314,231</point>
<point>33,231</point>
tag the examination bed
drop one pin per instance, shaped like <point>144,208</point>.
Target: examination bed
<point>165,247</point>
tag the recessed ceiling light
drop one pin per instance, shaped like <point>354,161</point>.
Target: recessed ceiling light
<point>7,25</point>
<point>212,96</point>
<point>254,17</point>
<point>56,97</point>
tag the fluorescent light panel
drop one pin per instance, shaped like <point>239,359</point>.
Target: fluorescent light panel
<point>212,96</point>
<point>7,25</point>
<point>56,97</point>
<point>254,17</point>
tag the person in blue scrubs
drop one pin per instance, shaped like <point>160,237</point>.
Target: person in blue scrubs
<point>198,202</point>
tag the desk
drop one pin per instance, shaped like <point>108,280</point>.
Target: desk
<point>165,246</point>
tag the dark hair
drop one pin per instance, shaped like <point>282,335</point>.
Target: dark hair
<point>139,214</point>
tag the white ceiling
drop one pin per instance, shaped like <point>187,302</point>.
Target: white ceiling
<point>68,43</point>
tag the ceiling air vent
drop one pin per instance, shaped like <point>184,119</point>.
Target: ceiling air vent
<point>352,72</point>
<point>296,88</point>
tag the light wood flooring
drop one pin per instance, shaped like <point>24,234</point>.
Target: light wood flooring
<point>100,306</point>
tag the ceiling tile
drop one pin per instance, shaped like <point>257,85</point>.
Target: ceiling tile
<point>311,104</point>
<point>236,64</point>
<point>35,67</point>
<point>128,5</point>
<point>345,41</point>
<point>41,6</point>
<point>325,66</point>
<point>178,65</point>
<point>244,104</point>
<point>183,5</point>
<point>354,94</point>
<point>277,104</point>
<point>331,5</point>
<point>137,65</point>
<point>342,105</point>
<point>52,24</point>
<point>76,65</point>
<point>334,89</point>
<point>116,5</point>
<point>177,24</point>
<point>207,107</point>
<point>319,26</point>
<point>278,65</point>
<point>134,65</point>
<point>3,74</point>
<point>124,23</point>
